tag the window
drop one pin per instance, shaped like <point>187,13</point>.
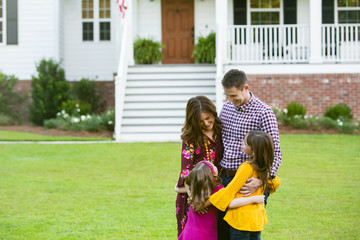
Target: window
<point>8,22</point>
<point>104,18</point>
<point>264,12</point>
<point>96,20</point>
<point>1,21</point>
<point>348,11</point>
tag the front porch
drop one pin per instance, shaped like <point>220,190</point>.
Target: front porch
<point>340,43</point>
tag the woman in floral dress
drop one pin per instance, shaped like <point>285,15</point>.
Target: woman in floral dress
<point>201,140</point>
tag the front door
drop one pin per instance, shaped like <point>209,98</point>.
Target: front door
<point>177,31</point>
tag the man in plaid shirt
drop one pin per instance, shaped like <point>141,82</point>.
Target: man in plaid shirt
<point>241,113</point>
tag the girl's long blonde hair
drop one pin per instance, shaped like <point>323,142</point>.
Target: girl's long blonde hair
<point>262,145</point>
<point>201,182</point>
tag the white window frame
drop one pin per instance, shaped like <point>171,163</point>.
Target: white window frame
<point>3,21</point>
<point>250,10</point>
<point>101,20</point>
<point>96,20</point>
<point>337,9</point>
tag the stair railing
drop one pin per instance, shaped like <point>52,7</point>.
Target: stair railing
<point>121,78</point>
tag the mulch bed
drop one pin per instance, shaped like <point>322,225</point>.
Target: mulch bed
<point>107,134</point>
<point>56,132</point>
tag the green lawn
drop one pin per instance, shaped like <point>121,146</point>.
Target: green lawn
<point>125,191</point>
<point>26,136</point>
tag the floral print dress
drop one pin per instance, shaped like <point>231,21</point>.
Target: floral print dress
<point>190,156</point>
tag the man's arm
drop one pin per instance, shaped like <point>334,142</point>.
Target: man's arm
<point>269,125</point>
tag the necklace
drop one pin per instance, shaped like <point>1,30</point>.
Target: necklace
<point>206,148</point>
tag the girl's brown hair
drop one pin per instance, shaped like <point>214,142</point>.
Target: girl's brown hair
<point>201,182</point>
<point>191,129</point>
<point>262,145</point>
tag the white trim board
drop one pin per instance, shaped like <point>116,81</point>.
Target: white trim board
<point>296,68</point>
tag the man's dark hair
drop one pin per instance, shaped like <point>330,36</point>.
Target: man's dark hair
<point>234,78</point>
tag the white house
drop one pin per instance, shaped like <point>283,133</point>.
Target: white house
<point>292,50</point>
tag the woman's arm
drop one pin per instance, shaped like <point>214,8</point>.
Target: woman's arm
<point>239,202</point>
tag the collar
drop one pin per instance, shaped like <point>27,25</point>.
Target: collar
<point>242,108</point>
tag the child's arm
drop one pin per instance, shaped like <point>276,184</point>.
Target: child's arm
<point>274,184</point>
<point>239,202</point>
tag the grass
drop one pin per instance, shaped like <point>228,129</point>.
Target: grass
<point>26,136</point>
<point>125,191</point>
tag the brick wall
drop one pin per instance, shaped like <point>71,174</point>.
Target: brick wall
<point>315,91</point>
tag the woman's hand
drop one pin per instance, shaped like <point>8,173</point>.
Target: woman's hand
<point>259,199</point>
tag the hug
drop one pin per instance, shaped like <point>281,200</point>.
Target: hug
<point>228,165</point>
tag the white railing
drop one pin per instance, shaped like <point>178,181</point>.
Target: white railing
<point>268,44</point>
<point>340,42</point>
<point>120,79</point>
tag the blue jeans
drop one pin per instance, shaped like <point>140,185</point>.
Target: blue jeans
<point>223,226</point>
<point>243,235</point>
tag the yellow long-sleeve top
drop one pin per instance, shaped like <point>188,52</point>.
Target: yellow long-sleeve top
<point>250,217</point>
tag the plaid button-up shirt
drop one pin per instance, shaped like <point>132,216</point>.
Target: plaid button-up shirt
<point>238,121</point>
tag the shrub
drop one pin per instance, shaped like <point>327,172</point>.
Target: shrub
<point>204,50</point>
<point>87,92</point>
<point>147,51</point>
<point>339,111</point>
<point>49,90</point>
<point>75,107</point>
<point>9,99</point>
<point>5,120</point>
<point>92,123</point>
<point>295,109</point>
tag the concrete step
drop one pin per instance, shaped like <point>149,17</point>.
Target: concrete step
<point>170,91</point>
<point>155,105</point>
<point>171,68</point>
<point>171,76</point>
<point>164,98</point>
<point>175,121</point>
<point>171,83</point>
<point>152,113</point>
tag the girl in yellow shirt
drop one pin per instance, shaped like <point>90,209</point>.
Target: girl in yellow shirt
<point>248,221</point>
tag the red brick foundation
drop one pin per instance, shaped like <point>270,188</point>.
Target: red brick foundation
<point>315,91</point>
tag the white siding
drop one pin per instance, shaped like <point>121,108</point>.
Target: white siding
<point>204,18</point>
<point>36,39</point>
<point>303,12</point>
<point>95,59</point>
<point>149,19</point>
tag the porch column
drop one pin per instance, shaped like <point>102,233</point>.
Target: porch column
<point>130,17</point>
<point>315,14</point>
<point>221,8</point>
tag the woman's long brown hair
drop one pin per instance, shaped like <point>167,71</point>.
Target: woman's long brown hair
<point>262,145</point>
<point>191,129</point>
<point>201,182</point>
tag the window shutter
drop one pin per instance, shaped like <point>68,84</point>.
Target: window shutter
<point>290,12</point>
<point>240,12</point>
<point>11,22</point>
<point>327,11</point>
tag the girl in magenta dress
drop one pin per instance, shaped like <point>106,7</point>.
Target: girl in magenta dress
<point>203,181</point>
<point>202,140</point>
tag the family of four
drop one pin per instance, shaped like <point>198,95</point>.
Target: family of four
<point>228,163</point>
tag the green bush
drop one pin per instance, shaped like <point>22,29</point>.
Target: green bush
<point>75,107</point>
<point>10,101</point>
<point>49,90</point>
<point>339,111</point>
<point>91,123</point>
<point>204,50</point>
<point>5,120</point>
<point>295,109</point>
<point>87,92</point>
<point>147,51</point>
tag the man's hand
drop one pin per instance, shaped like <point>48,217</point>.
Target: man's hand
<point>251,185</point>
